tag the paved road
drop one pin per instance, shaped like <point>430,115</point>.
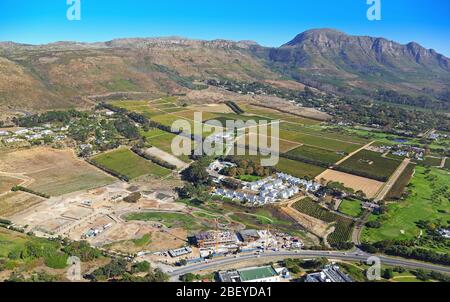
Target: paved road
<point>351,256</point>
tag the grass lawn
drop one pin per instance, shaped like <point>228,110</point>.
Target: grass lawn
<point>125,162</point>
<point>428,201</point>
<point>249,178</point>
<point>351,207</point>
<point>170,220</point>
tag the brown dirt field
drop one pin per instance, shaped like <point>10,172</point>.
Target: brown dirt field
<point>213,108</point>
<point>368,186</point>
<point>286,84</point>
<point>15,202</point>
<point>55,172</point>
<point>6,183</point>
<point>161,239</point>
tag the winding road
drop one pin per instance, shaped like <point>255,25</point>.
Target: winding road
<point>349,256</point>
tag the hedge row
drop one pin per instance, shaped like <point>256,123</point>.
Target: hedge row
<point>27,190</point>
<point>235,107</point>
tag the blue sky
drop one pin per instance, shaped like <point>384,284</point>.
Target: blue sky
<point>268,23</point>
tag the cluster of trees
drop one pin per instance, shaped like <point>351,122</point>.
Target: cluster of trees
<point>48,117</point>
<point>82,250</point>
<point>119,270</point>
<point>406,249</point>
<point>153,159</point>
<point>391,96</point>
<point>127,128</point>
<point>196,173</point>
<point>246,167</point>
<point>297,265</point>
<point>27,190</point>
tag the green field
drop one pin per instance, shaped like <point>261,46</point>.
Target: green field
<point>170,220</point>
<point>343,226</point>
<point>14,247</point>
<point>316,154</point>
<point>428,201</point>
<point>125,162</point>
<point>298,169</point>
<point>447,164</point>
<point>351,207</point>
<point>370,164</point>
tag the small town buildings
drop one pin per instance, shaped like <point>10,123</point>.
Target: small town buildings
<point>331,273</point>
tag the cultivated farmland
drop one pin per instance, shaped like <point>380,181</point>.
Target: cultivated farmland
<point>321,155</point>
<point>343,226</point>
<point>399,187</point>
<point>298,169</point>
<point>125,162</point>
<point>370,164</point>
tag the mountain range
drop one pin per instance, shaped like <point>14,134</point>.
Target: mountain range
<point>64,74</point>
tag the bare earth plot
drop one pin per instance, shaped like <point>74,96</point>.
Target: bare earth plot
<point>166,157</point>
<point>15,202</point>
<point>369,186</point>
<point>6,183</point>
<point>54,172</point>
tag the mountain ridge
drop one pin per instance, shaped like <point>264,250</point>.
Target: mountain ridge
<point>61,73</point>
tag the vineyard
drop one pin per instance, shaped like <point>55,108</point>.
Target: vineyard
<point>343,226</point>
